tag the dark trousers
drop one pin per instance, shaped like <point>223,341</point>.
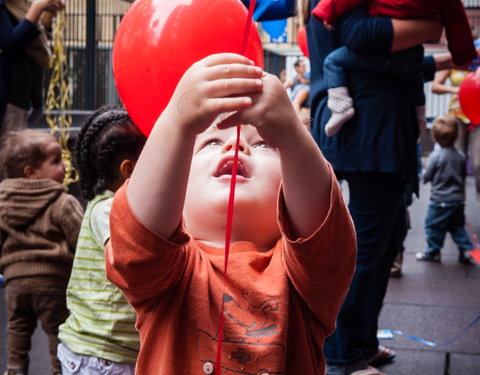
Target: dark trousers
<point>443,217</point>
<point>29,299</point>
<point>377,207</point>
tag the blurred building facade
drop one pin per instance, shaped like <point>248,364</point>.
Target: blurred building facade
<point>90,30</point>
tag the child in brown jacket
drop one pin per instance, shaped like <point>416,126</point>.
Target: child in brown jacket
<point>39,226</point>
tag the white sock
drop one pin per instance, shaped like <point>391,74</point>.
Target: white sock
<point>341,105</point>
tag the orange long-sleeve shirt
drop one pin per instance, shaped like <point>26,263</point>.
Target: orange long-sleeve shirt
<point>279,305</point>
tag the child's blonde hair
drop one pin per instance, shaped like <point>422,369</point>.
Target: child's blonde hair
<point>23,148</point>
<point>445,130</point>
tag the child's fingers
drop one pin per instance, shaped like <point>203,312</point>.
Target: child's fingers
<point>231,121</point>
<point>234,86</point>
<point>233,71</point>
<point>226,58</point>
<point>221,105</point>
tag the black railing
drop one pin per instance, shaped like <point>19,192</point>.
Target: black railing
<point>89,35</point>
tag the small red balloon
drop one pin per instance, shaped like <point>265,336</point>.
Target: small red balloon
<point>469,96</point>
<point>158,40</point>
<point>302,40</point>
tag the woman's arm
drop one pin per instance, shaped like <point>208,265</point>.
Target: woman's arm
<point>439,86</point>
<point>382,35</point>
<point>37,7</point>
<point>288,83</point>
<point>16,38</point>
<point>410,33</point>
<point>443,61</point>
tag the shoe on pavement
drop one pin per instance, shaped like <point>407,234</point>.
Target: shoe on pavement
<point>465,258</point>
<point>396,270</point>
<point>428,257</point>
<point>368,371</point>
<point>382,356</point>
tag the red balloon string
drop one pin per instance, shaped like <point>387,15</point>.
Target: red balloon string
<point>246,31</point>
<point>228,235</point>
<point>231,202</point>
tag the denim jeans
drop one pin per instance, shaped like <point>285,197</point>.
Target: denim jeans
<point>406,66</point>
<point>378,210</point>
<point>443,217</point>
<point>79,364</point>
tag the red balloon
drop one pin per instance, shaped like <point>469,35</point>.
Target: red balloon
<point>302,40</point>
<point>469,96</point>
<point>158,40</point>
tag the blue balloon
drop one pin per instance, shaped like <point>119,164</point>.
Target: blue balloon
<point>276,29</point>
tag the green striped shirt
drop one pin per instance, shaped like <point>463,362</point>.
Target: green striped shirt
<point>101,322</point>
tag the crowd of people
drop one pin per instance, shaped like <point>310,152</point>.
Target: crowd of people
<point>136,281</point>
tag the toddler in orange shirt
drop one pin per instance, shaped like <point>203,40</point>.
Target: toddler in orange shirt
<point>292,251</point>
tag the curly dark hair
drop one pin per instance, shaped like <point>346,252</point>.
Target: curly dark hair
<point>107,137</point>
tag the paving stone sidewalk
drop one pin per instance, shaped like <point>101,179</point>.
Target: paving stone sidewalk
<point>435,302</point>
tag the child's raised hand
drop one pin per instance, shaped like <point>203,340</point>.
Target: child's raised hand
<point>272,113</point>
<point>217,84</point>
<point>51,5</point>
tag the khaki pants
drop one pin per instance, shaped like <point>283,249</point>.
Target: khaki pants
<point>29,299</point>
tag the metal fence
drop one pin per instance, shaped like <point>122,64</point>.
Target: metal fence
<point>89,35</point>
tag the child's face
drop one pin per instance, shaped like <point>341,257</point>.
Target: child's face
<point>53,166</point>
<point>258,175</point>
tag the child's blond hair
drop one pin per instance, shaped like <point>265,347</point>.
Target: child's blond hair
<point>23,148</point>
<point>445,130</point>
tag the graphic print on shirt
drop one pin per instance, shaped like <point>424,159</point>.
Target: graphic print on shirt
<point>250,337</point>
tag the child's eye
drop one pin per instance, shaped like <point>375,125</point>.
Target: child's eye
<point>212,142</point>
<point>261,144</point>
<point>58,159</point>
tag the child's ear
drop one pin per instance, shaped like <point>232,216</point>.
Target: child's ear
<point>126,168</point>
<point>29,171</point>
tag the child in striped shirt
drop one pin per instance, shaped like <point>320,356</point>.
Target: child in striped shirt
<point>99,336</point>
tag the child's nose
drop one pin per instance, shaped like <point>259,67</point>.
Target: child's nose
<point>242,147</point>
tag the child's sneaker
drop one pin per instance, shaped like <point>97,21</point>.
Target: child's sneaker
<point>428,257</point>
<point>465,258</point>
